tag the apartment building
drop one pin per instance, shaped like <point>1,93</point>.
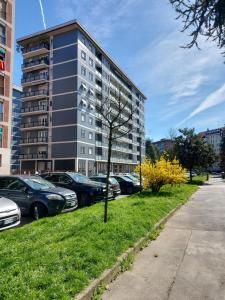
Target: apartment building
<point>164,145</point>
<point>6,62</point>
<point>15,132</point>
<point>214,138</point>
<point>66,73</point>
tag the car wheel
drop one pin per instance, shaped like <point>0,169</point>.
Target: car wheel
<point>84,200</point>
<point>129,190</point>
<point>39,211</point>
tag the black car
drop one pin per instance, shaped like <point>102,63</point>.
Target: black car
<point>87,191</point>
<point>127,186</point>
<point>112,181</point>
<point>36,196</point>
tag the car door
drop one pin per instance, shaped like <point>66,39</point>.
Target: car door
<point>17,191</point>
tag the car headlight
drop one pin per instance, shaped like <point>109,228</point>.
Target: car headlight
<point>54,197</point>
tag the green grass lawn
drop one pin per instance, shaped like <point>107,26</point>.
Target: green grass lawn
<point>57,257</point>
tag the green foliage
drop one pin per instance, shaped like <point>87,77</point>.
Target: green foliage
<point>152,152</point>
<point>192,151</point>
<point>57,257</point>
<point>99,292</point>
<point>127,263</point>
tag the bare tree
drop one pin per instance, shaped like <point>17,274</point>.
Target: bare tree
<point>116,113</point>
<point>202,17</point>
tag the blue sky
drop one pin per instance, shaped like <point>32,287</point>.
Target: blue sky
<point>185,88</point>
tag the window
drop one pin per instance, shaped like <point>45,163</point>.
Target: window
<point>83,55</point>
<point>90,151</point>
<point>64,179</point>
<point>91,121</point>
<point>1,85</point>
<point>91,76</point>
<point>90,135</point>
<point>16,185</point>
<point>83,40</point>
<point>2,34</point>
<point>82,134</point>
<point>91,62</point>
<point>82,150</point>
<point>3,9</point>
<point>83,71</point>
<point>83,118</point>
<point>1,111</point>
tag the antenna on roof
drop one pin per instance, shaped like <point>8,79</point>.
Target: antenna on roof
<point>42,13</point>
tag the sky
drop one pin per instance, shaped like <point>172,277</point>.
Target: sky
<point>184,87</point>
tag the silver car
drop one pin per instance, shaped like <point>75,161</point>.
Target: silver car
<point>9,214</point>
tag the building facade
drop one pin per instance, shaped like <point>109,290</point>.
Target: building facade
<point>65,75</point>
<point>164,145</point>
<point>15,137</point>
<point>214,138</point>
<point>6,63</point>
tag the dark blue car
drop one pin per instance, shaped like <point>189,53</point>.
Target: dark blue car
<point>36,196</point>
<point>127,185</point>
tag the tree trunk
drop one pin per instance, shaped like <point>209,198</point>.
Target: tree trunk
<point>190,172</point>
<point>107,175</point>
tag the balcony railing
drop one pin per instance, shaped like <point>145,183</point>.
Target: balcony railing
<point>34,140</point>
<point>34,155</point>
<point>1,117</point>
<point>3,39</point>
<point>35,62</point>
<point>34,108</point>
<point>35,78</point>
<point>35,48</point>
<point>3,14</point>
<point>35,93</point>
<point>41,123</point>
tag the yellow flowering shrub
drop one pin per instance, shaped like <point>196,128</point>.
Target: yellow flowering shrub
<point>162,172</point>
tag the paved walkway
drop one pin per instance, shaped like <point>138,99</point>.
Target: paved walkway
<point>187,261</point>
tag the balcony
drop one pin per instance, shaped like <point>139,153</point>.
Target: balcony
<point>31,110</point>
<point>36,64</point>
<point>3,14</point>
<point>34,140</point>
<point>33,95</point>
<point>3,39</point>
<point>35,79</point>
<point>1,117</point>
<point>34,125</point>
<point>39,49</point>
<point>42,155</point>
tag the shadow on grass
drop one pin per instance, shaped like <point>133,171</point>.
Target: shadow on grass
<point>197,182</point>
<point>149,194</point>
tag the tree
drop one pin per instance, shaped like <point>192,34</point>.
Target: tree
<point>222,152</point>
<point>163,171</point>
<point>193,151</point>
<point>202,17</point>
<point>116,113</point>
<point>152,152</point>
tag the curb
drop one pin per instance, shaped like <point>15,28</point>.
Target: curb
<point>110,274</point>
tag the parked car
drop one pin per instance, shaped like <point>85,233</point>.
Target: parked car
<point>9,214</point>
<point>36,196</point>
<point>131,177</point>
<point>112,181</point>
<point>127,186</point>
<point>87,191</point>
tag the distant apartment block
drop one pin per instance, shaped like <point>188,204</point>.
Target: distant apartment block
<point>214,138</point>
<point>164,145</point>
<point>6,57</point>
<point>65,75</point>
<point>15,137</point>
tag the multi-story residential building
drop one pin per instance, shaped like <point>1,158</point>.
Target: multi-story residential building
<point>65,75</point>
<point>164,145</point>
<point>15,137</point>
<point>6,62</point>
<point>214,138</point>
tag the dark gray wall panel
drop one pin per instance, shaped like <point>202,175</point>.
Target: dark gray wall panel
<point>64,117</point>
<point>64,54</point>
<point>64,150</point>
<point>65,85</point>
<point>64,101</point>
<point>65,38</point>
<point>65,69</point>
<point>68,133</point>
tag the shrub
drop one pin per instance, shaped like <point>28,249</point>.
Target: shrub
<point>163,171</point>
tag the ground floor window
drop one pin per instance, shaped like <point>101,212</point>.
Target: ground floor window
<point>82,166</point>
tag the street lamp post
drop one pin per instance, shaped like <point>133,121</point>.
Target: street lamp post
<point>140,162</point>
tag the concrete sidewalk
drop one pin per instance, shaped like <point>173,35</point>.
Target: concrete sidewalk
<point>187,261</point>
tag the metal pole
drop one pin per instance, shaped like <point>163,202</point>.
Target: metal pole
<point>140,174</point>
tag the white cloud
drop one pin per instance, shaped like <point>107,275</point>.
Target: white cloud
<point>215,98</point>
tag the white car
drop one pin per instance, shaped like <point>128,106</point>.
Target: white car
<point>9,214</point>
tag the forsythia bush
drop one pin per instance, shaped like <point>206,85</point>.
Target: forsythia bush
<point>162,172</point>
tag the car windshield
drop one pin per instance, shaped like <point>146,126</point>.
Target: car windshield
<point>38,183</point>
<point>113,180</point>
<point>132,177</point>
<point>79,178</point>
<point>126,178</point>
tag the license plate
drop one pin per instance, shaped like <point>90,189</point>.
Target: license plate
<point>9,220</point>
